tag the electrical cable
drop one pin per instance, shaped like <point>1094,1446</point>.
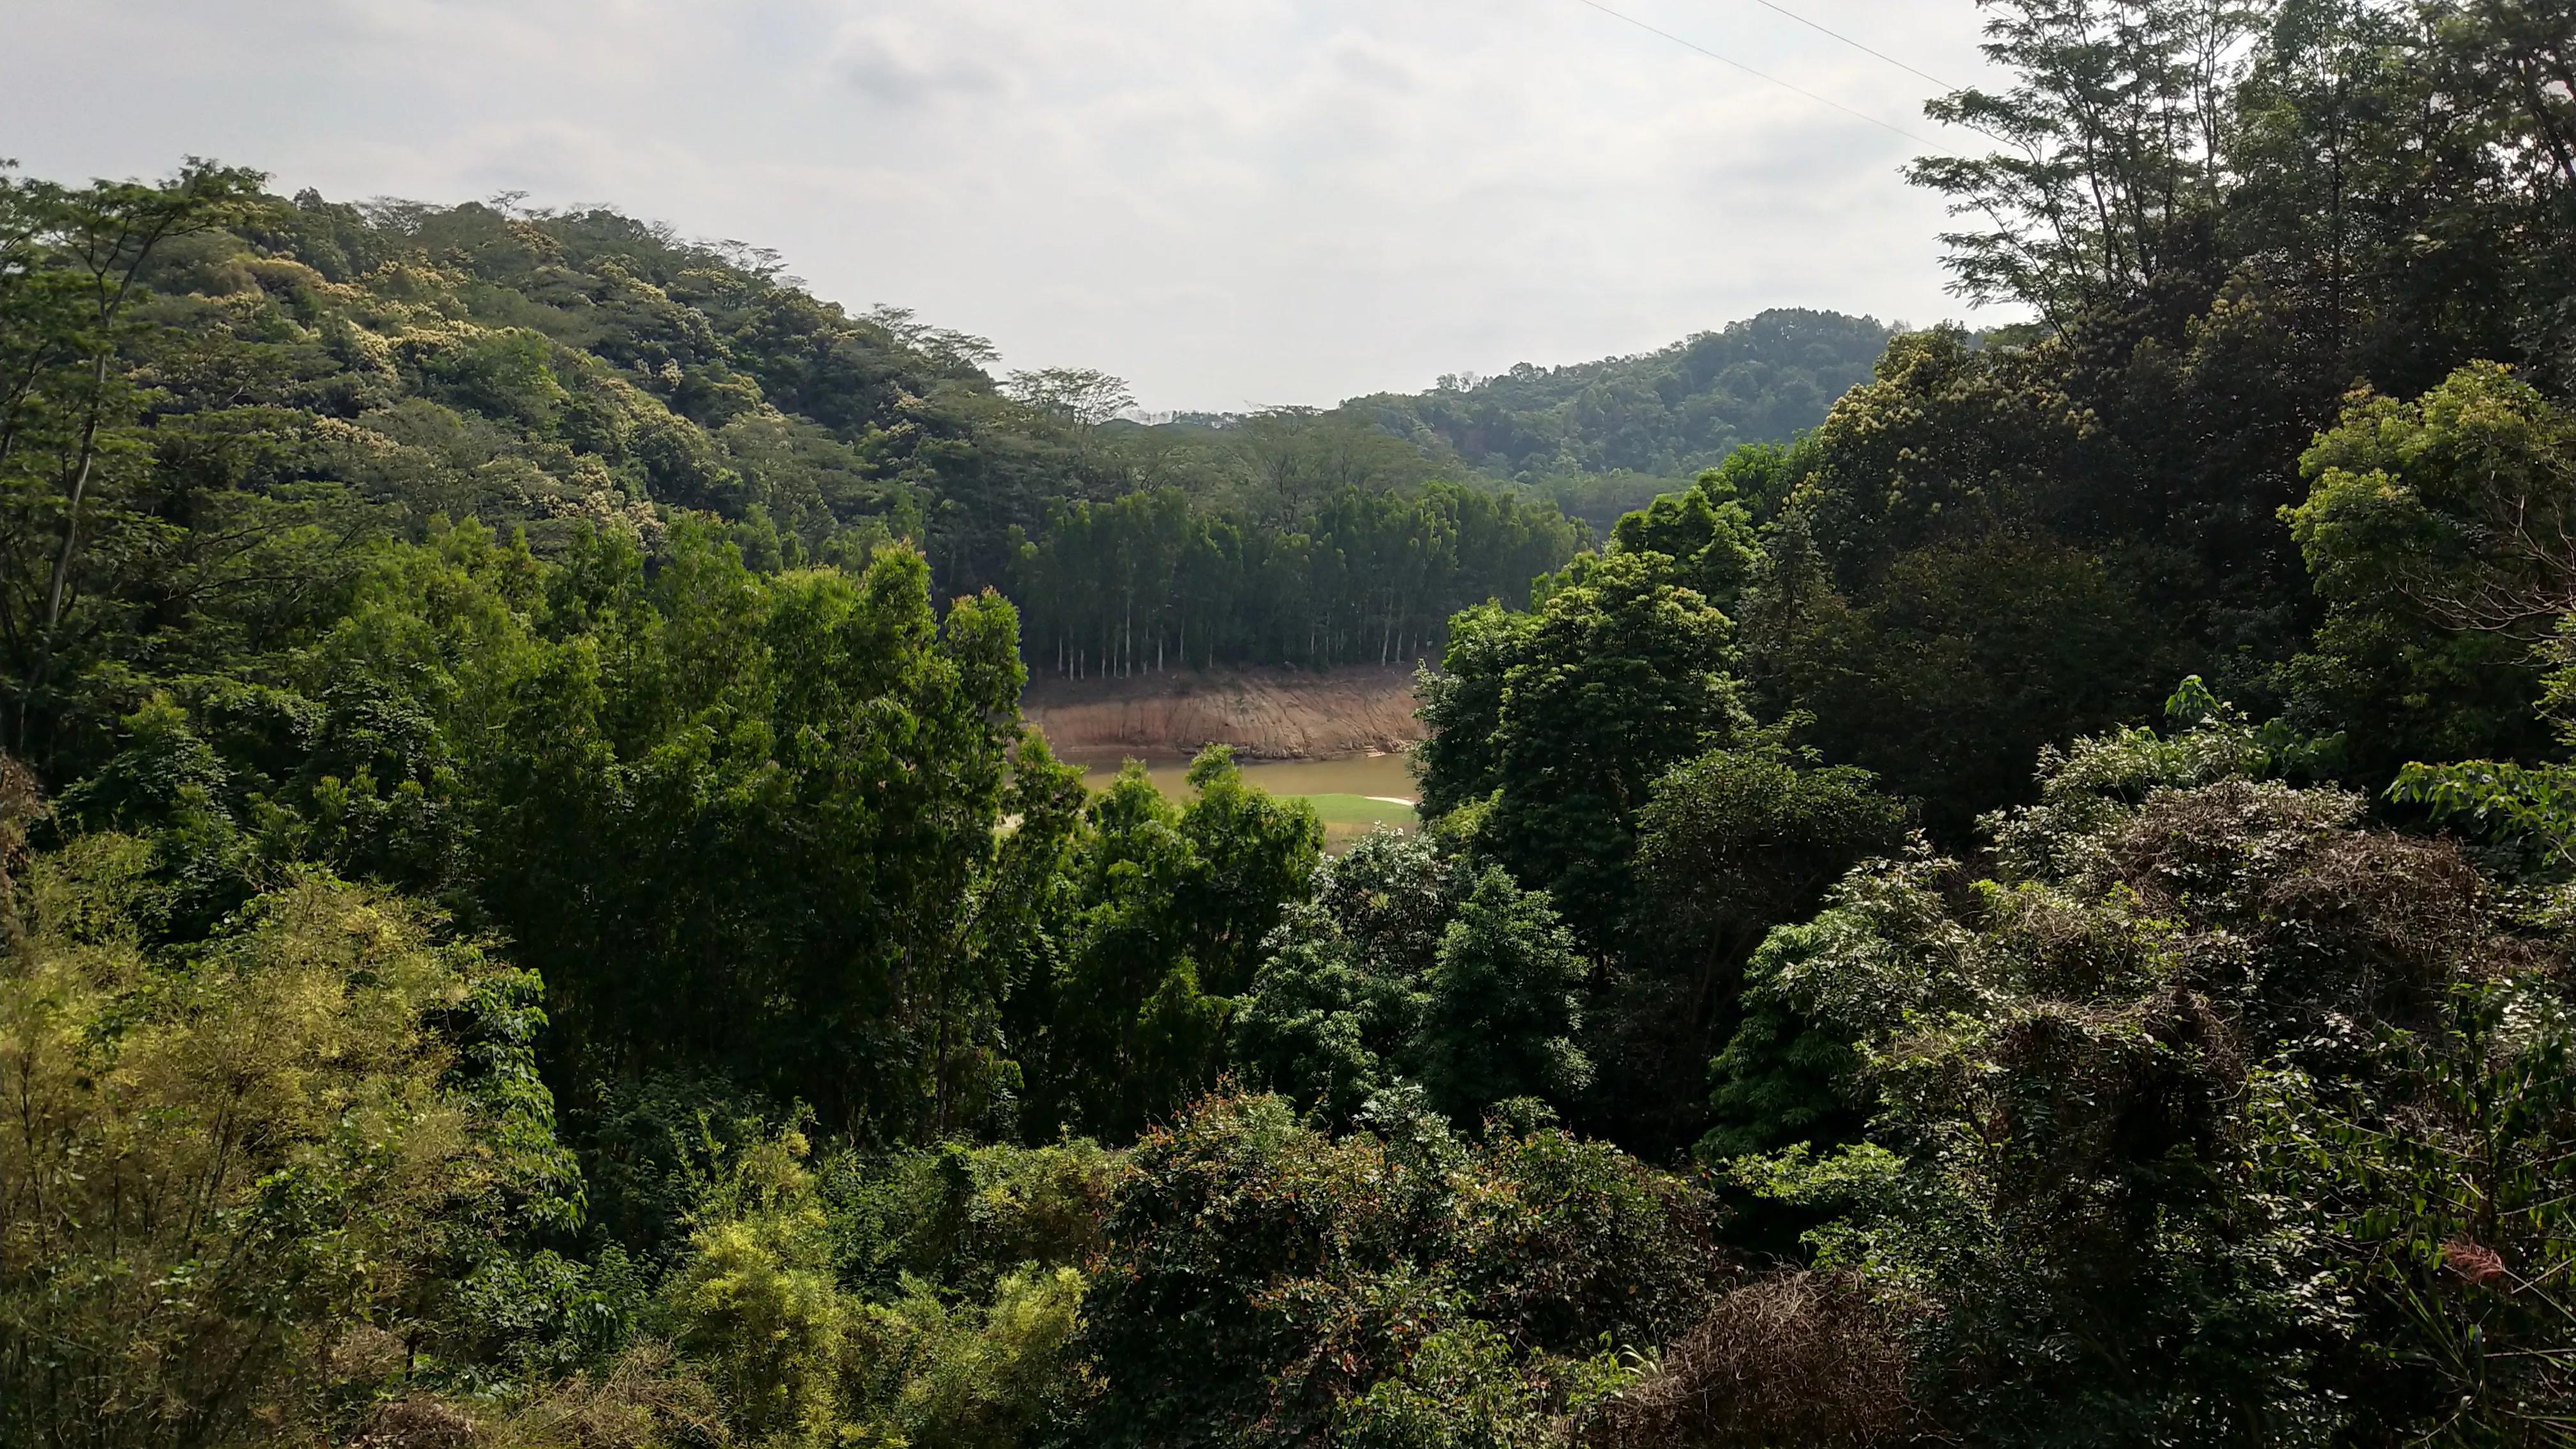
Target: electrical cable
<point>1856,45</point>
<point>1761,75</point>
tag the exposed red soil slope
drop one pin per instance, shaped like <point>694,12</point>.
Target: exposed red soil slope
<point>1265,714</point>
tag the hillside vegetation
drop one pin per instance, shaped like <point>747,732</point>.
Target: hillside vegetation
<point>2034,913</point>
<point>1601,438</point>
<point>560,372</point>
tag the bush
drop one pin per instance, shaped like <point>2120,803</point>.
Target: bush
<point>1268,1284</point>
<point>229,1165</point>
<point>2170,1123</point>
<point>773,1305</point>
<point>1795,1358</point>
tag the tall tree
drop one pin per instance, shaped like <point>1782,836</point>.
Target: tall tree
<point>71,269</point>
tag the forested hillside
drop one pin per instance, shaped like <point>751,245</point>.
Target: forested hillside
<point>566,372</point>
<point>2037,913</point>
<point>1598,438</point>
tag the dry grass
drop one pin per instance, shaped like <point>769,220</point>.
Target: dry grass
<point>422,1423</point>
<point>644,1400</point>
<point>1797,1358</point>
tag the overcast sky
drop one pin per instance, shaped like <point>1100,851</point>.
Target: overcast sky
<point>1228,202</point>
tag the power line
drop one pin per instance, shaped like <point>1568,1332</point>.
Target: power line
<point>1856,45</point>
<point>1761,75</point>
<point>1891,60</point>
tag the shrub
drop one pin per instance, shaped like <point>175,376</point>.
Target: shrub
<point>227,1160</point>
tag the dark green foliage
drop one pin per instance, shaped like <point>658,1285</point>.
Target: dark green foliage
<point>1783,1078</point>
<point>1943,596</point>
<point>1412,973</point>
<point>2466,1290</point>
<point>650,1147</point>
<point>1267,1280</point>
<point>1333,1015</point>
<point>1788,1074</point>
<point>389,593</point>
<point>313,373</point>
<point>1157,580</point>
<point>1562,1241</point>
<point>1165,910</point>
<point>1733,844</point>
<point>1659,415</point>
<point>1502,1005</point>
<point>1550,728</point>
<point>2224,217</point>
<point>2058,1062</point>
<point>636,775</point>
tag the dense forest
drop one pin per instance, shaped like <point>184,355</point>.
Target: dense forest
<point>1603,438</point>
<point>2035,911</point>
<point>550,373</point>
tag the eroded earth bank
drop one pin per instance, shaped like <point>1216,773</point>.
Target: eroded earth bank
<point>1263,714</point>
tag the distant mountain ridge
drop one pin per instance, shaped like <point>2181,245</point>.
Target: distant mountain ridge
<point>1669,412</point>
<point>1602,437</point>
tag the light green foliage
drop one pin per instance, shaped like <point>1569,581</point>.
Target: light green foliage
<point>1459,1389</point>
<point>1131,1032</point>
<point>986,1379</point>
<point>773,1305</point>
<point>1334,1014</point>
<point>2434,531</point>
<point>237,1172</point>
<point>756,1302</point>
<point>1257,856</point>
<point>1706,531</point>
<point>964,1217</point>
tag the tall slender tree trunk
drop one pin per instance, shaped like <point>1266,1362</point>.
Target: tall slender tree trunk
<point>54,587</point>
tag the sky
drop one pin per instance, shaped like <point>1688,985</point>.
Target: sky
<point>1230,203</point>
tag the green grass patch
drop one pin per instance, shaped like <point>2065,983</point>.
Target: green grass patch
<point>1348,817</point>
<point>1357,810</point>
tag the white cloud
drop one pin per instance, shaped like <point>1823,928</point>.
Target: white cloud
<point>1259,201</point>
